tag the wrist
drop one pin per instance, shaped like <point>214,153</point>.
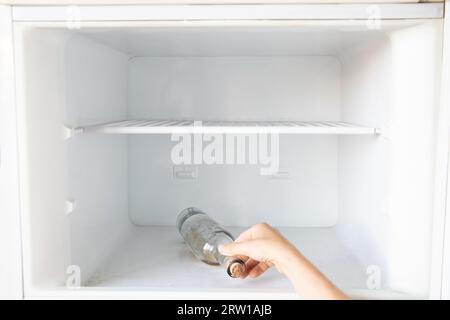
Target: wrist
<point>308,281</point>
<point>289,262</point>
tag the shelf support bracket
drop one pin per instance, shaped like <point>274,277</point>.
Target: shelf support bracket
<point>69,132</point>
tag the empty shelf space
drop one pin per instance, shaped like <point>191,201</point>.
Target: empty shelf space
<point>224,127</point>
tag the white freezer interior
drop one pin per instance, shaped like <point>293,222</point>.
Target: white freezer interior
<point>350,200</point>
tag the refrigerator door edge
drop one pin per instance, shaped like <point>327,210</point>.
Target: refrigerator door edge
<point>10,243</point>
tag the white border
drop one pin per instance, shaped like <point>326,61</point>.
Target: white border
<point>231,12</point>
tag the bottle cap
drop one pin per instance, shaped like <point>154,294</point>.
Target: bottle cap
<point>236,268</point>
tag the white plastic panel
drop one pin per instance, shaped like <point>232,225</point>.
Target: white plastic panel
<point>230,12</point>
<point>40,96</point>
<point>326,175</point>
<point>236,194</point>
<point>378,82</point>
<point>238,88</point>
<point>366,97</point>
<point>55,78</point>
<point>412,161</point>
<point>440,269</point>
<point>281,38</point>
<point>10,235</point>
<point>263,39</point>
<point>96,90</point>
<point>94,2</point>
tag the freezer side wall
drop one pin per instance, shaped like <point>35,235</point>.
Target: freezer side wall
<point>394,229</point>
<point>96,91</point>
<point>43,163</point>
<point>366,97</point>
<point>74,189</point>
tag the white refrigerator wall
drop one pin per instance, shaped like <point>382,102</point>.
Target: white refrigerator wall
<point>363,181</point>
<point>10,242</point>
<point>59,232</point>
<point>96,90</point>
<point>441,235</point>
<point>245,88</point>
<point>412,160</point>
<point>376,190</point>
<point>383,76</point>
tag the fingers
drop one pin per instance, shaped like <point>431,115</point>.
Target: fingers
<point>254,232</point>
<point>255,268</point>
<point>250,248</point>
<point>256,243</point>
<point>249,265</point>
<point>233,249</point>
<point>259,269</point>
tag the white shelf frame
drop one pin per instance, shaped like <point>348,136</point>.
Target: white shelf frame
<point>225,12</point>
<point>227,127</point>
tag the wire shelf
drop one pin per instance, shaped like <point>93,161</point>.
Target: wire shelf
<point>227,127</point>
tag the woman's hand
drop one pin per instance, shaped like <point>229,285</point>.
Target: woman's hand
<point>263,247</point>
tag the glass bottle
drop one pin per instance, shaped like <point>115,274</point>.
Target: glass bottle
<point>203,236</point>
